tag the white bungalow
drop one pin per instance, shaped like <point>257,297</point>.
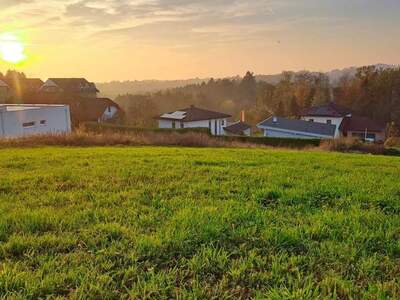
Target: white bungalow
<point>194,117</point>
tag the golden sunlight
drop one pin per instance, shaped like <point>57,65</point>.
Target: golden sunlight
<point>12,49</point>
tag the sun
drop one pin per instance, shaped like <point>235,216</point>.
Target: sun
<point>12,49</point>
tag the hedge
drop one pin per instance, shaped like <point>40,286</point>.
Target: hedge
<point>96,127</point>
<point>275,142</point>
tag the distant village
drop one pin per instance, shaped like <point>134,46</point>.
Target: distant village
<point>31,106</point>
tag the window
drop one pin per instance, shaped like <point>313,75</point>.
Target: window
<point>43,122</point>
<point>182,125</point>
<point>28,124</point>
<point>209,125</point>
<point>329,122</point>
<point>109,109</point>
<point>216,126</point>
<point>173,125</point>
<point>311,120</point>
<point>223,122</point>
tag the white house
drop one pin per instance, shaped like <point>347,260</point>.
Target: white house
<point>291,128</point>
<point>28,119</point>
<point>328,114</point>
<point>194,117</point>
<point>72,86</point>
<point>347,125</point>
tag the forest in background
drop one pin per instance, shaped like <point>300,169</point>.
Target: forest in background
<point>371,92</point>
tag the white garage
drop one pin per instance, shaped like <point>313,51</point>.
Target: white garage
<point>29,119</point>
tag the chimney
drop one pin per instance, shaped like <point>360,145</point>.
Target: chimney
<point>242,116</point>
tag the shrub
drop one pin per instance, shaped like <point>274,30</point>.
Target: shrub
<point>351,145</point>
<point>102,128</point>
<point>393,142</point>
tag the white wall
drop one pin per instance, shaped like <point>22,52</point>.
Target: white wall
<point>216,125</point>
<point>57,120</point>
<point>110,112</point>
<point>335,121</point>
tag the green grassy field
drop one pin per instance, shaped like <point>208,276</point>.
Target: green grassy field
<point>186,223</point>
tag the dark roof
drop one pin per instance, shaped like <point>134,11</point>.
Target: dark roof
<point>299,126</point>
<point>33,82</point>
<point>329,110</point>
<point>24,84</point>
<point>355,123</point>
<point>74,84</point>
<point>197,114</point>
<point>82,109</point>
<point>237,128</point>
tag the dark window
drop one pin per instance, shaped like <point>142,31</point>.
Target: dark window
<point>216,127</point>
<point>371,136</point>
<point>109,109</point>
<point>209,125</point>
<point>182,125</point>
<point>329,122</point>
<point>223,123</point>
<point>43,122</point>
<point>311,120</point>
<point>28,124</point>
<point>173,125</point>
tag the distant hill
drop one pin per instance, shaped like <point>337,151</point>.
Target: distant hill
<point>114,88</point>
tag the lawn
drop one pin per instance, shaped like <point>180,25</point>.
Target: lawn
<point>187,223</point>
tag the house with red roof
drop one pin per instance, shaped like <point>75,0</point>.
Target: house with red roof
<point>347,124</point>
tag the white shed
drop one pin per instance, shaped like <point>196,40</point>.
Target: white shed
<point>28,119</point>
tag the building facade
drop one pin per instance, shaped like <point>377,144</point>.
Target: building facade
<point>346,123</point>
<point>28,119</point>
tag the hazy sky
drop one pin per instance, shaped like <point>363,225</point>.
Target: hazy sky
<point>171,39</point>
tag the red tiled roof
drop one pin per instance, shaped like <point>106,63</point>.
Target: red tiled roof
<point>355,123</point>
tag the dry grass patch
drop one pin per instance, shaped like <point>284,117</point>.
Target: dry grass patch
<point>85,139</point>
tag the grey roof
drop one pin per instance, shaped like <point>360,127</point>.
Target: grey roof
<point>193,113</point>
<point>237,128</point>
<point>299,126</point>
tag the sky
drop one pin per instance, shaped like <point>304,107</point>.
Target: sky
<point>176,39</point>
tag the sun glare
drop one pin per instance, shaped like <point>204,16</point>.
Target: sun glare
<point>11,48</point>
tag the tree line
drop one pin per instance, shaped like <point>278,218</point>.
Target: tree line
<point>372,92</point>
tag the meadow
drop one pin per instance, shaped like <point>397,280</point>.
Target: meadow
<point>198,223</point>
